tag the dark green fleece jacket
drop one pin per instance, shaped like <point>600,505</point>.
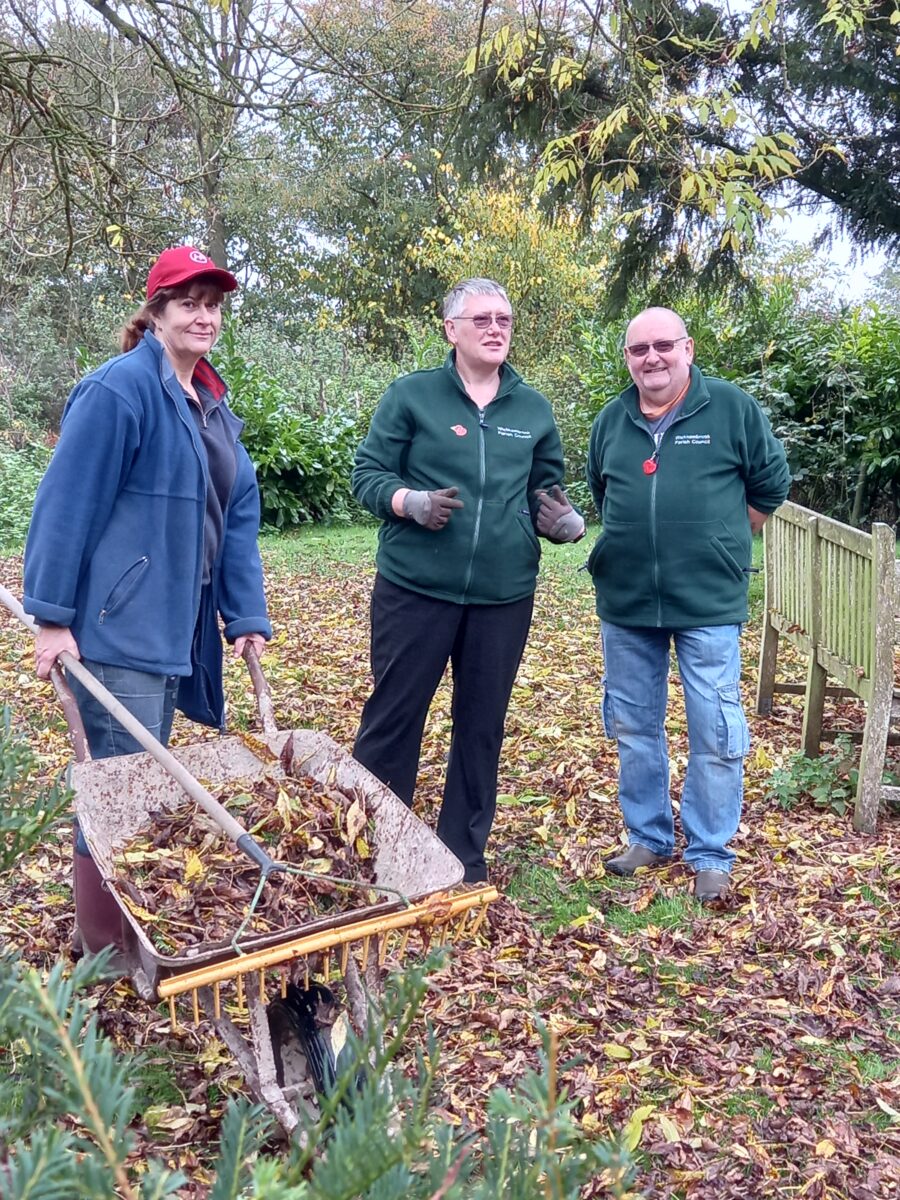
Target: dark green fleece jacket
<point>427,434</point>
<point>675,550</point>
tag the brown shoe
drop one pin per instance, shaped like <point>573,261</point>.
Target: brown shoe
<point>711,885</point>
<point>635,856</point>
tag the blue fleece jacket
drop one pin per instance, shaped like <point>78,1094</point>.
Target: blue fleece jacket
<point>115,548</point>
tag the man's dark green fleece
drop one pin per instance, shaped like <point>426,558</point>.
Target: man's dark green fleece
<point>427,434</point>
<point>675,550</point>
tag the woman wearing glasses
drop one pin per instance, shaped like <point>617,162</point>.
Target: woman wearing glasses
<point>463,464</point>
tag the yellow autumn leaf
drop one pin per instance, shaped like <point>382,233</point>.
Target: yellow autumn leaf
<point>362,847</point>
<point>137,910</point>
<point>825,1148</point>
<point>762,758</point>
<point>631,1135</point>
<point>356,820</point>
<point>614,1050</point>
<point>670,1130</point>
<point>284,807</point>
<point>193,867</point>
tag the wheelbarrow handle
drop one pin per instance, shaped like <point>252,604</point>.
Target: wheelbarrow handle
<point>226,822</point>
<point>67,700</point>
<point>264,705</point>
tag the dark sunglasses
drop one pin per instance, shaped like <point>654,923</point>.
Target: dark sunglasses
<point>642,349</point>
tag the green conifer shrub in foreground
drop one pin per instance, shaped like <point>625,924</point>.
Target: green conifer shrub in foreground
<point>69,1099</point>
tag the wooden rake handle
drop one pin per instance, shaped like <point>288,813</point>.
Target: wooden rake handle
<point>232,828</point>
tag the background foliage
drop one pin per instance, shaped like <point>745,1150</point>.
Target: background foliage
<point>352,161</point>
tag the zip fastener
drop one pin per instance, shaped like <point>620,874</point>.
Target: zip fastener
<point>192,432</point>
<point>135,567</point>
<point>653,555</point>
<point>657,447</point>
<point>481,477</point>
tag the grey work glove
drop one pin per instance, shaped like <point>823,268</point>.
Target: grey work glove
<point>556,518</point>
<point>431,509</point>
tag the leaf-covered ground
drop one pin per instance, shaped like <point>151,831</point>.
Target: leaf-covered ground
<point>748,1051</point>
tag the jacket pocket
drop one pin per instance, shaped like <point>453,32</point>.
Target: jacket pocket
<point>728,558</point>
<point>524,523</point>
<point>592,557</point>
<point>124,587</point>
<point>732,734</point>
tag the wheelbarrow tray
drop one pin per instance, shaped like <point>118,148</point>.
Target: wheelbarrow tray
<point>117,798</point>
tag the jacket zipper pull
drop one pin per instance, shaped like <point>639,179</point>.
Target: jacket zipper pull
<point>650,464</point>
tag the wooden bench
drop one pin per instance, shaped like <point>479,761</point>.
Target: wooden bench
<point>833,592</point>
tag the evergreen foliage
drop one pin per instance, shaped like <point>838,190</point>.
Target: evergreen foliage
<point>69,1098</point>
<point>28,810</point>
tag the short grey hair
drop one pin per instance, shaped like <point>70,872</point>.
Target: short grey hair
<point>455,300</point>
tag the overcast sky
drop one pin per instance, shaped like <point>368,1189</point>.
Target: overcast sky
<point>854,272</point>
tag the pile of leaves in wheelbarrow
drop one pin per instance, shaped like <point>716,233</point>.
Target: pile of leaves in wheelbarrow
<point>189,886</point>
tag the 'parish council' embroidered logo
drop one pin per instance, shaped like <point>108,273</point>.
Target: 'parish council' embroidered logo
<point>692,439</point>
<point>505,431</point>
<point>459,430</point>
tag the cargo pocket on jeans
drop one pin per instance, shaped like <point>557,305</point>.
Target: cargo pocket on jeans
<point>732,733</point>
<point>606,711</point>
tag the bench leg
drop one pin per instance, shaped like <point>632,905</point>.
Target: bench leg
<point>768,658</point>
<point>871,764</point>
<point>813,708</point>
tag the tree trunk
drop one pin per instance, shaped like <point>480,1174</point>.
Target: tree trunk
<point>859,499</point>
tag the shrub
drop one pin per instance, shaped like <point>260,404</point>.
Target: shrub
<point>303,462</point>
<point>827,782</point>
<point>21,468</point>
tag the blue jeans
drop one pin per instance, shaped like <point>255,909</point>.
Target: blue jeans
<point>634,712</point>
<point>149,698</point>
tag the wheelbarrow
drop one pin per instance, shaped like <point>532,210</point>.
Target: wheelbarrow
<point>116,799</point>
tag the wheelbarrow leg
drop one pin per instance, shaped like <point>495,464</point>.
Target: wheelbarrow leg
<point>98,917</point>
<point>256,1058</point>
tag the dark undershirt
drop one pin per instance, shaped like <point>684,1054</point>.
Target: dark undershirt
<point>659,426</point>
<point>221,471</point>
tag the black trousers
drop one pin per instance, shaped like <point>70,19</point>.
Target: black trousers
<point>413,638</point>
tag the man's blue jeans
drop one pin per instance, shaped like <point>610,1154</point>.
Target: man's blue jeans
<point>150,698</point>
<point>634,711</point>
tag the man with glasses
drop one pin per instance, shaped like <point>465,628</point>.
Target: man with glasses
<point>683,468</point>
<point>464,466</point>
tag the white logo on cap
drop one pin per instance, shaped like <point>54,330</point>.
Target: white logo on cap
<point>196,256</point>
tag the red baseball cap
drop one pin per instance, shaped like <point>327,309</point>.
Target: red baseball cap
<point>179,264</point>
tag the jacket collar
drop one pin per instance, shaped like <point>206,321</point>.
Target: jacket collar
<point>204,372</point>
<point>509,377</point>
<point>697,395</point>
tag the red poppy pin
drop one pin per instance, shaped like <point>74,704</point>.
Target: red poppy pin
<point>459,430</point>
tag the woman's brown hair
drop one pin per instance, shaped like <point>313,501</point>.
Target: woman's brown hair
<point>133,330</point>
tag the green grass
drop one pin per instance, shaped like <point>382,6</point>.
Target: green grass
<point>847,1061</point>
<point>538,890</point>
<point>757,594</point>
<point>319,547</point>
<point>749,1103</point>
<point>764,1059</point>
<point>157,1079</point>
<point>681,911</point>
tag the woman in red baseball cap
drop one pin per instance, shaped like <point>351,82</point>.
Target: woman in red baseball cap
<point>145,531</point>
